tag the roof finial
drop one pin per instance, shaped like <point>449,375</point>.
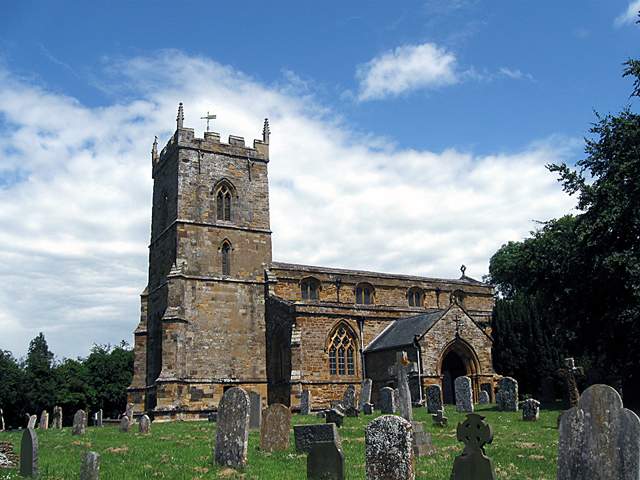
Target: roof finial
<point>154,149</point>
<point>463,269</point>
<point>266,131</point>
<point>180,118</point>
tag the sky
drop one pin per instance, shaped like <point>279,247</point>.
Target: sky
<point>406,137</point>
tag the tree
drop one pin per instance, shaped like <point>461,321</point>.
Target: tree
<point>40,377</point>
<point>12,384</point>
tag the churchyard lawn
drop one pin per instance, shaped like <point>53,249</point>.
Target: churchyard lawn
<point>184,450</point>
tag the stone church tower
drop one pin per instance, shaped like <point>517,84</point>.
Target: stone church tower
<point>203,312</point>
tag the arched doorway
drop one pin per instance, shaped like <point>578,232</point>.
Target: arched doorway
<point>452,368</point>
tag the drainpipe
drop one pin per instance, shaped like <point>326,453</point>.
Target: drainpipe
<point>416,343</point>
<point>361,328</point>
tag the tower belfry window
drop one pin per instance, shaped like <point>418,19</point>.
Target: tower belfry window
<point>223,203</point>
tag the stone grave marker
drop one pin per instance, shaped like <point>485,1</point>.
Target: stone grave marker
<point>79,423</point>
<point>387,401</point>
<point>212,417</point>
<point>439,418</point>
<point>389,449</point>
<point>433,393</point>
<point>57,418</point>
<point>321,414</point>
<point>306,435</point>
<point>305,402</point>
<point>2,419</point>
<point>274,431</point>
<point>334,416</point>
<point>325,460</point>
<point>547,390</point>
<point>349,397</point>
<point>90,466</point>
<point>464,394</point>
<point>568,376</point>
<point>44,421</point>
<point>530,410</point>
<point>487,387</point>
<point>422,446</point>
<point>599,439</point>
<point>232,431</point>
<point>145,424</point>
<point>97,418</point>
<point>129,412</point>
<point>125,424</point>
<point>507,396</point>
<point>365,393</point>
<point>255,411</point>
<point>483,397</point>
<point>475,433</point>
<point>352,412</point>
<point>367,409</point>
<point>29,453</point>
<point>32,421</point>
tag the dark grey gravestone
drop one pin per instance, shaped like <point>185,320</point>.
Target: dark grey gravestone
<point>79,423</point>
<point>213,417</point>
<point>599,439</point>
<point>349,397</point>
<point>389,449</point>
<point>483,397</point>
<point>568,375</point>
<point>255,412</point>
<point>365,393</point>
<point>321,414</point>
<point>325,460</point>
<point>125,424</point>
<point>439,419</point>
<point>44,421</point>
<point>305,402</point>
<point>352,412</point>
<point>487,387</point>
<point>145,424</point>
<point>306,435</point>
<point>98,418</point>
<point>232,431</point>
<point>464,394</point>
<point>334,416</point>
<point>90,466</point>
<point>507,395</point>
<point>547,390</point>
<point>367,409</point>
<point>530,410</point>
<point>387,401</point>
<point>274,431</point>
<point>32,421</point>
<point>475,433</point>
<point>29,453</point>
<point>434,398</point>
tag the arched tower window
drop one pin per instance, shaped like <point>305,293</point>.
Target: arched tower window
<point>342,351</point>
<point>364,294</point>
<point>415,295</point>
<point>223,203</point>
<point>225,251</point>
<point>309,289</point>
<point>460,298</point>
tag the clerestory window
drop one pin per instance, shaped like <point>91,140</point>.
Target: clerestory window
<point>364,294</point>
<point>416,297</point>
<point>309,289</point>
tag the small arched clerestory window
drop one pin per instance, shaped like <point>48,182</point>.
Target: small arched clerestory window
<point>415,296</point>
<point>364,294</point>
<point>309,289</point>
<point>460,298</point>
<point>342,351</point>
<point>225,252</point>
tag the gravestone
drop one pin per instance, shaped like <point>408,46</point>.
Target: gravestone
<point>274,431</point>
<point>57,418</point>
<point>389,449</point>
<point>232,431</point>
<point>365,393</point>
<point>79,423</point>
<point>367,409</point>
<point>464,394</point>
<point>305,402</point>
<point>599,439</point>
<point>325,460</point>
<point>255,412</point>
<point>334,416</point>
<point>422,446</point>
<point>433,393</point>
<point>483,397</point>
<point>507,397</point>
<point>2,419</point>
<point>145,424</point>
<point>487,387</point>
<point>403,399</point>
<point>387,401</point>
<point>547,390</point>
<point>29,453</point>
<point>439,418</point>
<point>321,414</point>
<point>352,412</point>
<point>32,421</point>
<point>475,433</point>
<point>90,466</point>
<point>129,412</point>
<point>44,421</point>
<point>212,417</point>
<point>97,418</point>
<point>125,424</point>
<point>349,397</point>
<point>306,435</point>
<point>568,376</point>
<point>530,410</point>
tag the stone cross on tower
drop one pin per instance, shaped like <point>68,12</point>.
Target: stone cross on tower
<point>568,375</point>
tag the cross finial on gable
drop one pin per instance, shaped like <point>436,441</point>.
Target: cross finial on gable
<point>463,269</point>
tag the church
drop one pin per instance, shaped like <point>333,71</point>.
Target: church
<point>218,312</point>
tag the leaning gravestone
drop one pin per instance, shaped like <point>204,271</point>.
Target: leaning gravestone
<point>365,393</point>
<point>483,397</point>
<point>29,454</point>
<point>90,466</point>
<point>44,421</point>
<point>305,402</point>
<point>389,449</point>
<point>487,387</point>
<point>530,410</point>
<point>334,416</point>
<point>125,424</point>
<point>79,423</point>
<point>349,397</point>
<point>475,433</point>
<point>32,421</point>
<point>434,398</point>
<point>387,401</point>
<point>547,390</point>
<point>464,394</point>
<point>507,395</point>
<point>232,431</point>
<point>325,460</point>
<point>145,424</point>
<point>306,435</point>
<point>274,431</point>
<point>255,411</point>
<point>439,419</point>
<point>599,439</point>
<point>57,418</point>
<point>568,375</point>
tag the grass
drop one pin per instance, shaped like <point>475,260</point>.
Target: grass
<point>184,450</point>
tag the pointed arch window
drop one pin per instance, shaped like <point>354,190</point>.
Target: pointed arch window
<point>342,349</point>
<point>223,203</point>
<point>226,253</point>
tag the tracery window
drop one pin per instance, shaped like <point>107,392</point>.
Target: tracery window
<point>223,203</point>
<point>225,250</point>
<point>342,353</point>
<point>364,294</point>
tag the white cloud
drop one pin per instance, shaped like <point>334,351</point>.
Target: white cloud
<point>405,69</point>
<point>75,192</point>
<point>630,15</point>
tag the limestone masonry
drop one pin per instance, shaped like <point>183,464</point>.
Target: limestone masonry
<point>219,313</point>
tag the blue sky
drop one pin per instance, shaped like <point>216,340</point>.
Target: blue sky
<point>407,137</point>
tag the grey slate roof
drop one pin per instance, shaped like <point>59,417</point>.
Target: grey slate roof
<point>402,331</point>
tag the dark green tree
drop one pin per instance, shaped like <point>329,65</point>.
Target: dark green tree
<point>12,385</point>
<point>73,392</point>
<point>40,377</point>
